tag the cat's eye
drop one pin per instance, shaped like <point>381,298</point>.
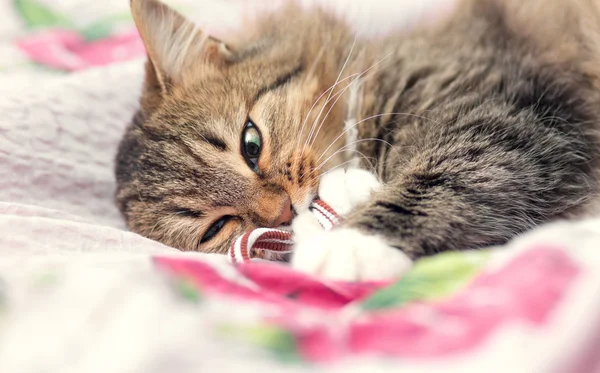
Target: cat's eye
<point>251,145</point>
<point>214,229</point>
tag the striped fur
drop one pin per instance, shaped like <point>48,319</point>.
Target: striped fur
<point>481,126</point>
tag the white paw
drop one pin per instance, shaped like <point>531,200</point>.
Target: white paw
<point>347,254</point>
<point>305,225</point>
<point>343,188</point>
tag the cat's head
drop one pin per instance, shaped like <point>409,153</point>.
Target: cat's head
<point>228,138</point>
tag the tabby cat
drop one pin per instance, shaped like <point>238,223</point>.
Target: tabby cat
<point>480,127</point>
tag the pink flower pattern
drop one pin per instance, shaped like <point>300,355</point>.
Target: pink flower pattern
<point>278,284</point>
<point>68,50</point>
<point>462,321</point>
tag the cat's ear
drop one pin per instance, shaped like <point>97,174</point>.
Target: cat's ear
<point>173,43</point>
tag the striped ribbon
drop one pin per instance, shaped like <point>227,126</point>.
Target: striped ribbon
<point>261,242</point>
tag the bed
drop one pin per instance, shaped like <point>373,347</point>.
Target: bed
<point>79,293</point>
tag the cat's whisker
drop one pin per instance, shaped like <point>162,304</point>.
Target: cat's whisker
<point>318,168</point>
<point>311,70</point>
<point>364,120</point>
<point>329,99</point>
<point>331,91</point>
<point>343,91</point>
<point>315,104</point>
<point>343,148</point>
<point>362,156</point>
<point>308,138</point>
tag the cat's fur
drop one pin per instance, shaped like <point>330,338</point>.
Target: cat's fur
<point>481,127</point>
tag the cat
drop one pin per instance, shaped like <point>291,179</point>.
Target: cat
<point>479,128</point>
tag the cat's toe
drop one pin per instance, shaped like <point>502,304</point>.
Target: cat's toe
<point>304,226</point>
<point>333,190</point>
<point>343,189</point>
<point>347,254</point>
<point>360,185</point>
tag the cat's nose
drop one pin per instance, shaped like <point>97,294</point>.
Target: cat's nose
<point>285,215</point>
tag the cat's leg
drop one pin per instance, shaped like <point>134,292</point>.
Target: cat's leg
<point>452,195</point>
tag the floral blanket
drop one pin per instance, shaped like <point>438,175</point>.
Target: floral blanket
<point>532,306</point>
<point>57,36</point>
<point>78,293</point>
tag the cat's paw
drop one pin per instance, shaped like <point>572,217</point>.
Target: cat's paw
<point>347,254</point>
<point>304,226</point>
<point>343,189</point>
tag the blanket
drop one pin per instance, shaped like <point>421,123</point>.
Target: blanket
<point>79,293</point>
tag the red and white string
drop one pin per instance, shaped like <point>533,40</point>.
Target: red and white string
<point>261,241</point>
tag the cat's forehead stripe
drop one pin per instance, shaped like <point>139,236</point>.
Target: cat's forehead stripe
<point>280,81</point>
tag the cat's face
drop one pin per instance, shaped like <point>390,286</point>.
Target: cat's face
<point>227,138</point>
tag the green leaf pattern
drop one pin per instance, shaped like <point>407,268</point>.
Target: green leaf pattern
<point>104,27</point>
<point>278,341</point>
<point>431,278</point>
<point>37,15</point>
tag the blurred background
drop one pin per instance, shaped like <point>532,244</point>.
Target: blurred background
<point>56,36</point>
